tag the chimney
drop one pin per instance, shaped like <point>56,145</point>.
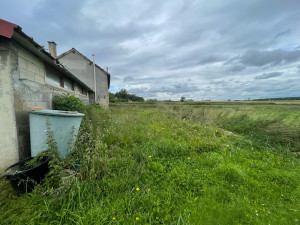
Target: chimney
<point>52,48</point>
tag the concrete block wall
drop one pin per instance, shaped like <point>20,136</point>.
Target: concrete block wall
<point>27,73</point>
<point>30,67</point>
<point>8,132</point>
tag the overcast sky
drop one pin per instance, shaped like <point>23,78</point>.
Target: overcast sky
<point>200,49</point>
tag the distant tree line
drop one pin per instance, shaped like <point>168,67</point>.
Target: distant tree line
<point>183,99</point>
<point>286,98</point>
<point>124,96</point>
<point>152,100</point>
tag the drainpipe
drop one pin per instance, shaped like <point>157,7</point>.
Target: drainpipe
<point>95,83</point>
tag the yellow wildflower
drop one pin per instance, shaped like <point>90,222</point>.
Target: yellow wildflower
<point>197,170</point>
<point>137,219</point>
<point>114,218</point>
<point>188,158</point>
<point>149,189</point>
<point>137,189</point>
<point>149,156</point>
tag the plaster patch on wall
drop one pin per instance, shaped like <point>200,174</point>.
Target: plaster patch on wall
<point>3,59</point>
<point>1,89</point>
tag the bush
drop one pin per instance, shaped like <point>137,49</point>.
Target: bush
<point>68,102</point>
<point>124,96</point>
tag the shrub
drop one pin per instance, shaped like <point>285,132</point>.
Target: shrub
<point>68,102</point>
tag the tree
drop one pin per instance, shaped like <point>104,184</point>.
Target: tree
<point>124,96</point>
<point>182,99</point>
<point>152,100</point>
<point>111,97</point>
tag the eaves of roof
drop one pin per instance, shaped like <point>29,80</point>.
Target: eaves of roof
<point>13,31</point>
<point>87,59</point>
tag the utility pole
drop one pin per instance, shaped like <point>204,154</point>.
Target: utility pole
<point>95,83</point>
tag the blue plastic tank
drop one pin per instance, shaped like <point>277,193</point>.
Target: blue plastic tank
<point>63,124</point>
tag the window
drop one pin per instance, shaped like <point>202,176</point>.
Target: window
<point>56,78</point>
<point>68,84</point>
<point>78,88</point>
<point>84,92</point>
<point>53,78</point>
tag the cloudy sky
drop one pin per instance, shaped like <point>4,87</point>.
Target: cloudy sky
<point>199,49</point>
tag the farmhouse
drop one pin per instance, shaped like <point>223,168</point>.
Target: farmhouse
<point>31,76</point>
<point>90,73</point>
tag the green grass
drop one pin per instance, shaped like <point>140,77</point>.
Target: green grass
<point>191,165</point>
<point>265,124</point>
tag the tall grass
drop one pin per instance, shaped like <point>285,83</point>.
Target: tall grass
<point>141,165</point>
<point>276,128</point>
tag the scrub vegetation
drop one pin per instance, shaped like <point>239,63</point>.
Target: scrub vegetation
<point>124,96</point>
<point>172,163</point>
<point>68,103</point>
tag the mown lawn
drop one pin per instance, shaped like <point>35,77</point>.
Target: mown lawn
<point>163,165</point>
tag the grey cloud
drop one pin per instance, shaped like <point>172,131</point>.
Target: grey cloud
<point>261,58</point>
<point>128,79</point>
<point>268,75</point>
<point>275,86</point>
<point>210,59</point>
<point>117,78</point>
<point>237,68</point>
<point>184,65</point>
<point>280,34</point>
<point>217,82</point>
<point>195,59</point>
<point>172,89</point>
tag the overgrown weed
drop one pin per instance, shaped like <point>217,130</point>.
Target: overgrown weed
<point>164,168</point>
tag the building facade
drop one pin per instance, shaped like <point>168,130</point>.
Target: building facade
<point>29,77</point>
<point>90,73</point>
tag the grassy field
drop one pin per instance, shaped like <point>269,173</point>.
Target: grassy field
<point>173,163</point>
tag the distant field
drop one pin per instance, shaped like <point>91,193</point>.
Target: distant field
<point>174,163</point>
